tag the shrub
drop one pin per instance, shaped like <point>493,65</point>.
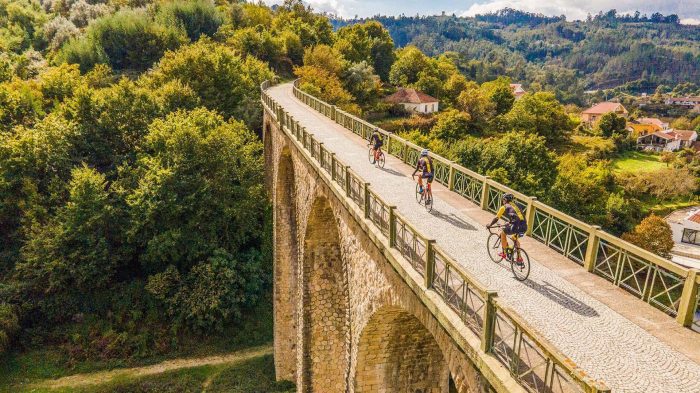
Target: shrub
<point>194,17</point>
<point>9,325</point>
<point>652,234</point>
<point>126,40</point>
<point>58,31</point>
<point>82,13</point>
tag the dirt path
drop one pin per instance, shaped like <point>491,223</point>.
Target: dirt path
<point>101,377</point>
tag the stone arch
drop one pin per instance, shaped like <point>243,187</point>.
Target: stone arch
<point>326,304</point>
<point>285,269</point>
<point>396,353</point>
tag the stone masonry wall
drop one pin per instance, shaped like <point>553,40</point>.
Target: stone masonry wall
<point>376,329</point>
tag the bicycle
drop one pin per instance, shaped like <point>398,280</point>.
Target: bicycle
<point>380,160</point>
<point>426,197</point>
<point>521,270</point>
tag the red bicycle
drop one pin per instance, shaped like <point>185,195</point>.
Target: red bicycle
<point>380,160</point>
<point>425,198</point>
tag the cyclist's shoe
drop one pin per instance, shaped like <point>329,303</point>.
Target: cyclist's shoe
<point>503,255</point>
<point>519,262</point>
<point>420,190</point>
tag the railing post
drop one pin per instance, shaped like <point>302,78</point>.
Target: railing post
<point>485,194</point>
<point>347,180</point>
<point>591,249</point>
<point>451,178</point>
<point>392,226</point>
<point>320,154</point>
<point>429,262</point>
<point>333,166</point>
<point>686,308</point>
<point>333,112</point>
<point>530,215</point>
<point>366,200</point>
<point>489,321</point>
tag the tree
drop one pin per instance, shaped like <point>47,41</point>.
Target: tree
<point>582,188</point>
<point>528,166</point>
<point>224,81</point>
<point>610,124</point>
<point>324,85</point>
<point>452,125</point>
<point>370,42</point>
<point>500,93</point>
<point>325,57</point>
<point>477,105</point>
<point>410,62</point>
<point>78,250</point>
<point>652,234</point>
<point>196,18</point>
<point>539,113</point>
<point>362,83</point>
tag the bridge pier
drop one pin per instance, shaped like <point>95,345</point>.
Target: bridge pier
<point>345,319</point>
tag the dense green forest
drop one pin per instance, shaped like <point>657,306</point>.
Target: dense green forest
<point>133,217</point>
<point>566,57</point>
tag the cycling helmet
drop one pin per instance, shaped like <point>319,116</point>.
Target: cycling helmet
<point>508,197</point>
<point>424,152</point>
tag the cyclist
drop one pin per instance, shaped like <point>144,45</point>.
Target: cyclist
<point>515,227</point>
<point>425,165</point>
<point>376,141</point>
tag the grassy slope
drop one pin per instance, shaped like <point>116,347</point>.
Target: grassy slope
<point>22,368</point>
<point>255,375</point>
<point>635,161</point>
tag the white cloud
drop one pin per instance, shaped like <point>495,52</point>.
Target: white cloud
<point>578,9</point>
<point>336,7</point>
<point>690,21</point>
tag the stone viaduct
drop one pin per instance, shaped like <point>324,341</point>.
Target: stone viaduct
<point>364,303</point>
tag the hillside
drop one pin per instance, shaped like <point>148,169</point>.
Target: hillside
<point>568,57</point>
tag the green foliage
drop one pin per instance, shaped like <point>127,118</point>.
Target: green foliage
<point>196,18</point>
<point>326,86</point>
<point>224,81</point>
<point>452,125</point>
<point>9,325</point>
<point>582,188</point>
<point>369,42</point>
<point>79,250</point>
<point>257,42</point>
<point>610,125</point>
<point>126,40</point>
<point>327,58</point>
<point>500,93</point>
<point>518,160</point>
<point>19,24</point>
<point>653,234</point>
<point>21,104</point>
<point>541,114</point>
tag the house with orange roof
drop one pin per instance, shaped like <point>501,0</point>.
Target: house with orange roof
<point>414,101</point>
<point>645,125</point>
<point>592,114</point>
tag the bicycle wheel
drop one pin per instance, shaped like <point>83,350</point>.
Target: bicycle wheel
<point>429,200</point>
<point>419,196</point>
<point>381,160</point>
<point>370,156</point>
<point>522,270</point>
<point>493,244</point>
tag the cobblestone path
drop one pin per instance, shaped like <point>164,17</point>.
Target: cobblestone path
<point>604,343</point>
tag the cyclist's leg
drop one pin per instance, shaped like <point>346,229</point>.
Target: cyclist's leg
<point>420,181</point>
<point>504,239</point>
<point>516,244</point>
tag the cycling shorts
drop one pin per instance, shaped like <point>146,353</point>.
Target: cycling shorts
<point>377,145</point>
<point>515,228</point>
<point>428,175</point>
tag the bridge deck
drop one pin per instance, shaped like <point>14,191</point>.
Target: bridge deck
<point>613,336</point>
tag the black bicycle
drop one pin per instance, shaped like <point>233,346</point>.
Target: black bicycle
<point>520,268</point>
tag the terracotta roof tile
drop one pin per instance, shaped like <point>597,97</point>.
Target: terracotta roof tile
<point>410,96</point>
<point>604,107</point>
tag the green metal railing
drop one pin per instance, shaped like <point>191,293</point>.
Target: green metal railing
<point>655,280</point>
<point>527,355</point>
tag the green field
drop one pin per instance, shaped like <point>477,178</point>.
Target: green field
<point>635,161</point>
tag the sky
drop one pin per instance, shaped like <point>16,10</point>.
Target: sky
<point>687,10</point>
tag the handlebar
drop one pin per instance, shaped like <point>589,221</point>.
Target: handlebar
<point>490,227</point>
